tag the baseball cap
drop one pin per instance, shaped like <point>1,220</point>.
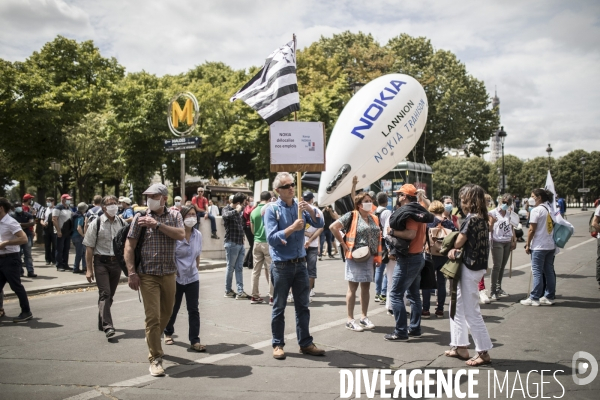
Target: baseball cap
<point>177,198</point>
<point>125,200</point>
<point>27,196</point>
<point>120,199</point>
<point>157,188</point>
<point>66,196</point>
<point>231,198</point>
<point>307,196</point>
<point>407,189</point>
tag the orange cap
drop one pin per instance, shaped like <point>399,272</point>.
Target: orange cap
<point>407,189</point>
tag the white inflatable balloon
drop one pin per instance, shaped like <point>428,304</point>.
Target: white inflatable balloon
<point>376,130</point>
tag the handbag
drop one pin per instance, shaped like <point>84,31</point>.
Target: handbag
<point>428,279</point>
<point>361,254</point>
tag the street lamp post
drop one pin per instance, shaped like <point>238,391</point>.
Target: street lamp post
<point>583,207</point>
<point>549,151</point>
<point>532,179</point>
<point>502,136</point>
<point>55,166</point>
<point>453,189</point>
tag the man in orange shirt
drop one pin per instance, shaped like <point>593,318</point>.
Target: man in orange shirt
<point>408,223</point>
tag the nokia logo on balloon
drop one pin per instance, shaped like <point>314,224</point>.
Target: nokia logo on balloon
<point>376,107</point>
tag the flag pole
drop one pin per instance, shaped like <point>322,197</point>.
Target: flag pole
<point>298,174</point>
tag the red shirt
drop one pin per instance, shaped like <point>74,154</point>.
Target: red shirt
<point>201,202</point>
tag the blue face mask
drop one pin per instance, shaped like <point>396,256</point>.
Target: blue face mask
<point>19,210</point>
<point>504,207</point>
<point>448,207</point>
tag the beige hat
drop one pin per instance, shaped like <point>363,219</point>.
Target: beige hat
<point>125,200</point>
<point>177,198</point>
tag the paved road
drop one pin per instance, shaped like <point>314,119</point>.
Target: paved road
<point>60,354</point>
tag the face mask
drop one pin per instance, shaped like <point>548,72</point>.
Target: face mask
<point>504,207</point>
<point>251,204</point>
<point>531,201</point>
<point>153,204</point>
<point>177,203</point>
<point>19,210</point>
<point>48,204</point>
<point>67,202</point>
<point>190,222</point>
<point>367,206</point>
<point>112,210</point>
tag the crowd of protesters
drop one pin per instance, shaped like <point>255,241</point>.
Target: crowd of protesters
<point>286,235</point>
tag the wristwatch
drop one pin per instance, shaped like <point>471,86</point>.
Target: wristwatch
<point>158,224</point>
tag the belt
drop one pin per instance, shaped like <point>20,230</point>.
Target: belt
<point>414,254</point>
<point>8,255</point>
<point>296,260</point>
<point>111,258</point>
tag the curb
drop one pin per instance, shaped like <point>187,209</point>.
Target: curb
<point>73,286</point>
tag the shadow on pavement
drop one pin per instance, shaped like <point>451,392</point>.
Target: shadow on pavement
<point>34,323</point>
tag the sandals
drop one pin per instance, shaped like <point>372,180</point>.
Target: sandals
<point>169,340</point>
<point>477,361</point>
<point>453,352</point>
<point>198,347</point>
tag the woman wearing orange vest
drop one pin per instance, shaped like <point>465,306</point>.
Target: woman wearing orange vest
<point>362,230</point>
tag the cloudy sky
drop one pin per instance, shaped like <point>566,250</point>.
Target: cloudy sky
<point>542,56</point>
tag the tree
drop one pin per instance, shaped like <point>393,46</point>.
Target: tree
<point>512,169</point>
<point>463,170</point>
<point>533,175</point>
<point>567,174</point>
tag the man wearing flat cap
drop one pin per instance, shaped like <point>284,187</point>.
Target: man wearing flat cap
<point>155,274</point>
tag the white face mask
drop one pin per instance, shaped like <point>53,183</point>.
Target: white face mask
<point>177,203</point>
<point>112,210</point>
<point>48,204</point>
<point>67,202</point>
<point>367,206</point>
<point>154,205</point>
<point>190,222</point>
<point>531,201</point>
<point>251,204</point>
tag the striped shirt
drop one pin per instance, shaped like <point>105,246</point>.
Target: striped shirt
<point>158,250</point>
<point>102,243</point>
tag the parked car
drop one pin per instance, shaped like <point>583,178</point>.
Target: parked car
<point>522,215</point>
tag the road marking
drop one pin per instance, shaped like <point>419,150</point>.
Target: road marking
<point>96,306</point>
<point>562,252</point>
<point>178,369</point>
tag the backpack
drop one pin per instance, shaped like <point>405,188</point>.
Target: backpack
<point>560,233</point>
<point>119,245</point>
<point>91,218</point>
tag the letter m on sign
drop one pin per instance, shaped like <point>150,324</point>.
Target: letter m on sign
<point>177,114</point>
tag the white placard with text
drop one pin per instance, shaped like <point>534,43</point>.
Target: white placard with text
<point>297,143</point>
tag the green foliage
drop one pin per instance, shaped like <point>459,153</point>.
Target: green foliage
<point>463,170</point>
<point>515,184</point>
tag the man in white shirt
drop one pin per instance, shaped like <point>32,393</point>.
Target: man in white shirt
<point>11,238</point>
<point>61,219</point>
<point>212,209</point>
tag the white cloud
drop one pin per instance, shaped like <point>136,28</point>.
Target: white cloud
<point>542,56</point>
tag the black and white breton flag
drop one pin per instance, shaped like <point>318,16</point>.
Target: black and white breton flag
<point>273,91</point>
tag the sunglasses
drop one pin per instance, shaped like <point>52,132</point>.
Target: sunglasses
<point>289,185</point>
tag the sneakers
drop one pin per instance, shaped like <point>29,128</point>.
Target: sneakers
<point>353,326</point>
<point>393,337</point>
<point>31,275</point>
<point>256,300</point>
<point>312,292</point>
<point>290,298</point>
<point>366,323</point>
<point>312,350</point>
<point>545,301</point>
<point>390,312</point>
<point>60,269</point>
<point>156,368</point>
<point>439,314</point>
<point>214,236</point>
<point>320,257</point>
<point>271,302</point>
<point>414,334</point>
<point>110,332</point>
<point>242,296</point>
<point>530,302</point>
<point>278,353</point>
<point>377,299</point>
<point>494,297</point>
<point>230,294</point>
<point>502,293</point>
<point>68,268</point>
<point>483,297</point>
<point>382,298</point>
<point>425,314</point>
<point>23,317</point>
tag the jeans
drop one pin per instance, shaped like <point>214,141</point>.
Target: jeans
<point>234,254</point>
<point>380,278</point>
<point>10,271</point>
<point>26,250</point>
<point>50,246</point>
<point>438,263</point>
<point>63,244</point>
<point>79,252</point>
<point>542,263</point>
<point>248,261</point>
<point>213,224</point>
<point>407,278</point>
<point>468,314</point>
<point>326,236</point>
<point>192,292</point>
<point>286,275</point>
<point>500,256</point>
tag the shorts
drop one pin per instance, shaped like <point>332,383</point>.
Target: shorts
<point>311,261</point>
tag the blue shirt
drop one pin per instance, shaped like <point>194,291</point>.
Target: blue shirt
<point>186,254</point>
<point>280,247</point>
<point>127,213</point>
<point>79,221</point>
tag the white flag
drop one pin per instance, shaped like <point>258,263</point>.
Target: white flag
<point>555,212</point>
<point>273,91</point>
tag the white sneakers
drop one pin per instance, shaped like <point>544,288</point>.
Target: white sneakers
<point>483,297</point>
<point>156,368</point>
<point>312,292</point>
<point>546,302</point>
<point>354,326</point>
<point>366,323</point>
<point>530,302</point>
<point>290,298</point>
